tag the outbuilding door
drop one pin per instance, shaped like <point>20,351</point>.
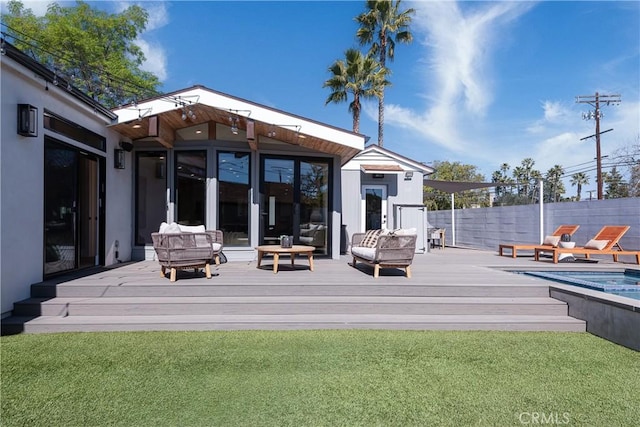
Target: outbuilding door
<point>374,207</point>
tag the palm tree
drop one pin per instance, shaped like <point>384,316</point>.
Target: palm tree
<point>381,26</point>
<point>359,75</point>
<point>554,186</point>
<point>502,177</point>
<point>579,179</point>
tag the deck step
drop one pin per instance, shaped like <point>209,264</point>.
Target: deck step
<point>444,293</point>
<point>288,305</point>
<point>47,324</point>
<point>213,289</point>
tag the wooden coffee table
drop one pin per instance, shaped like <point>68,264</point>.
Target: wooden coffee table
<point>277,250</point>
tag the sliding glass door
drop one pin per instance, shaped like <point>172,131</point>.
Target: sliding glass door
<point>71,208</point>
<point>294,201</point>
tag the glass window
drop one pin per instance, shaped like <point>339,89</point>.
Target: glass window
<point>314,204</point>
<point>279,203</point>
<point>233,197</point>
<point>191,185</point>
<point>151,194</point>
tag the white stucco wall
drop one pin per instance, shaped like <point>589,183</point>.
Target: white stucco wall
<point>22,180</point>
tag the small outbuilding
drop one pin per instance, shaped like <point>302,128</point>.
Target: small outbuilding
<point>382,189</point>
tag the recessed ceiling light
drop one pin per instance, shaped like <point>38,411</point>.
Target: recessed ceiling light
<point>199,131</point>
<point>137,126</point>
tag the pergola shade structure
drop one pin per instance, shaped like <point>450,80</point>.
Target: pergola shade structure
<point>453,187</point>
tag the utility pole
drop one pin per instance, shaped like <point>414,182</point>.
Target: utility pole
<point>595,101</point>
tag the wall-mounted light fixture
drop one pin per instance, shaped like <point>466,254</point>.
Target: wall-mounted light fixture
<point>118,158</point>
<point>27,120</point>
<point>408,175</point>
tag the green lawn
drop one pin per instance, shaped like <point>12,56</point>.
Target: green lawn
<point>317,378</point>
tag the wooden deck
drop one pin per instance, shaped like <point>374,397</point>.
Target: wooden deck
<point>454,289</point>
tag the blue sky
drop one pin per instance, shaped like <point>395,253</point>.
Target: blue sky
<point>483,83</point>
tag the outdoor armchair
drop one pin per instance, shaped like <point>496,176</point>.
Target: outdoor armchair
<point>186,250</point>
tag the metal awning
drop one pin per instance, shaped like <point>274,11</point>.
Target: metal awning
<point>382,168</point>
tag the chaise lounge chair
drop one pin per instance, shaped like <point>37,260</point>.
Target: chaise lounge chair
<point>604,243</point>
<point>548,243</point>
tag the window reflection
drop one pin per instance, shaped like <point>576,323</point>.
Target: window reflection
<point>233,197</point>
<point>191,168</point>
<point>151,190</point>
<point>295,201</point>
<point>314,204</point>
<point>278,213</point>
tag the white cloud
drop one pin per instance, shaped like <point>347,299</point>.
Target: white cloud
<point>155,58</point>
<point>555,114</point>
<point>456,76</point>
<point>554,111</point>
<point>154,52</point>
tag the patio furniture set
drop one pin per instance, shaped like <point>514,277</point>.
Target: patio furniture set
<point>180,247</point>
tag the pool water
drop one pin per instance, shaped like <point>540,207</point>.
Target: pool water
<point>626,284</point>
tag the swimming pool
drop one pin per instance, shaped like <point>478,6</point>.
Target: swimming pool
<point>626,284</point>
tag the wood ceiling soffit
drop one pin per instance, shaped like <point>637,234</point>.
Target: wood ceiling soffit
<point>169,122</point>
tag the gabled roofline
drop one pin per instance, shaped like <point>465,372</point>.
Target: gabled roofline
<point>40,70</point>
<point>420,166</point>
<point>179,92</point>
<point>213,106</point>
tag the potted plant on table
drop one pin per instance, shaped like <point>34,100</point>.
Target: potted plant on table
<point>286,241</point>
